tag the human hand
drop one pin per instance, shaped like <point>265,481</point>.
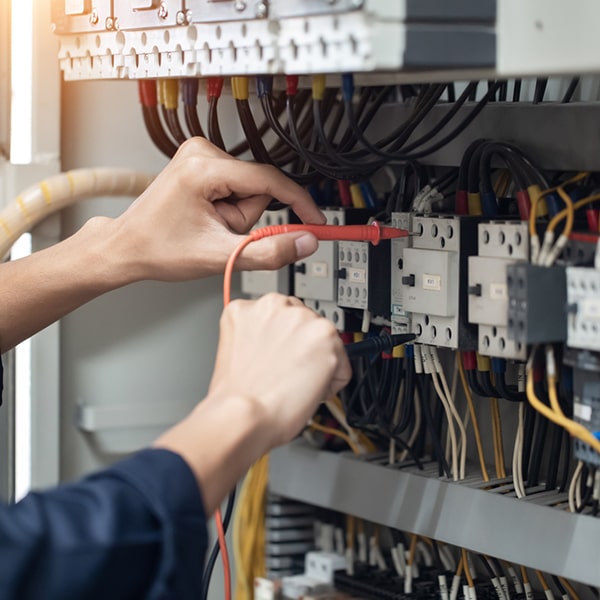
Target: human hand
<point>282,357</point>
<point>189,220</point>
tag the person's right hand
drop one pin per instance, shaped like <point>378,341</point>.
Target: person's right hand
<point>280,356</point>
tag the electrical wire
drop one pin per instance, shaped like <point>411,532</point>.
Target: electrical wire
<point>474,420</point>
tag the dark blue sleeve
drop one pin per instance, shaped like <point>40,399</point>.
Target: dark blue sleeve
<point>135,530</point>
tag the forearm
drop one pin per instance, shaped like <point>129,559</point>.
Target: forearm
<point>220,440</point>
<point>42,288</point>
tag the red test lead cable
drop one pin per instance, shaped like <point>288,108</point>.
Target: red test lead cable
<point>353,233</point>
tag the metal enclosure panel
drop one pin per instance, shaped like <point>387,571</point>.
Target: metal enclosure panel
<point>150,343</point>
<point>541,537</point>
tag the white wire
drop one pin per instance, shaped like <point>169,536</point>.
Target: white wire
<point>453,410</point>
<point>574,485</point>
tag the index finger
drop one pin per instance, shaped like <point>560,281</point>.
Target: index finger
<point>251,179</point>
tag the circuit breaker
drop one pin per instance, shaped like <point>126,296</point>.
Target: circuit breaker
<point>583,307</point>
<point>500,244</point>
<point>434,280</point>
<point>400,318</point>
<point>258,283</point>
<point>364,277</point>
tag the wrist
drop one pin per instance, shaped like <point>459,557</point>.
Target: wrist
<point>110,257</point>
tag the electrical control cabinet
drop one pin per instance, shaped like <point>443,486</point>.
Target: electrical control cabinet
<point>500,244</point>
<point>434,280</point>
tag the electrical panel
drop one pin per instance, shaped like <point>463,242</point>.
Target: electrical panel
<point>500,244</point>
<point>468,280</point>
<point>434,282</point>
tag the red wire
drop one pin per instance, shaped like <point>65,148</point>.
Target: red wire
<point>372,233</point>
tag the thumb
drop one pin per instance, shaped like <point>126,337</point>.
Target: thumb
<point>276,251</point>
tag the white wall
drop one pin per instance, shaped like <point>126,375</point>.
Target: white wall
<point>148,343</point>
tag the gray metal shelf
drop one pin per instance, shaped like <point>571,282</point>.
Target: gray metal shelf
<point>523,531</point>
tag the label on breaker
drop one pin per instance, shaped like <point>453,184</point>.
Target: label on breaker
<point>397,311</point>
<point>582,411</point>
<point>589,308</point>
<point>498,291</point>
<point>319,269</point>
<point>357,275</point>
<point>432,282</point>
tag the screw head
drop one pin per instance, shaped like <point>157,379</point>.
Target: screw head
<point>239,5</point>
<point>357,3</point>
<point>188,16</point>
<point>109,24</point>
<point>163,11</point>
<point>262,10</point>
<point>94,17</point>
<point>180,18</point>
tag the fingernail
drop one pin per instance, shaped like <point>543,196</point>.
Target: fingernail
<point>306,245</point>
<point>323,218</point>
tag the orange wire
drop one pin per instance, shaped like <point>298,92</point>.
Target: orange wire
<point>224,553</point>
<point>218,516</point>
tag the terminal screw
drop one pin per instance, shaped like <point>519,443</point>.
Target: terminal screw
<point>261,10</point>
<point>239,5</point>
<point>109,24</point>
<point>163,12</point>
<point>94,17</point>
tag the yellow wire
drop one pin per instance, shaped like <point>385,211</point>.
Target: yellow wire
<point>542,580</point>
<point>574,595</point>
<point>524,575</point>
<point>249,529</point>
<point>460,568</point>
<point>469,396</point>
<point>537,198</point>
<point>413,548</point>
<point>576,206</point>
<point>465,560</point>
<point>337,433</point>
<point>575,429</point>
<point>498,442</point>
<point>570,214</point>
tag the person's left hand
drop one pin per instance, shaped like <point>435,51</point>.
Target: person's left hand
<point>189,220</point>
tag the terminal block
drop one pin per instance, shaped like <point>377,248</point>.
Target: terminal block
<point>400,318</point>
<point>583,307</point>
<point>537,301</point>
<point>500,245</point>
<point>364,277</point>
<point>258,283</point>
<point>186,38</point>
<point>342,319</point>
<point>434,280</point>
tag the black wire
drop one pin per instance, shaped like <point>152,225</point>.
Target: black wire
<point>474,384</point>
<point>517,91</point>
<point>212,559</point>
<point>554,459</point>
<point>214,130</point>
<point>172,120</point>
<point>570,90</point>
<point>537,452</point>
<point>528,431</point>
<point>564,482</point>
<point>559,586</point>
<point>507,392</point>
<point>156,131</point>
<point>540,89</point>
<point>192,121</point>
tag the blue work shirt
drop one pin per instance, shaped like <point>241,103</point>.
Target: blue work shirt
<point>134,530</point>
